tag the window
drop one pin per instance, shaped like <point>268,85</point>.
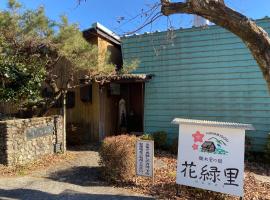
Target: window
<point>47,93</point>
<point>70,100</point>
<point>86,93</point>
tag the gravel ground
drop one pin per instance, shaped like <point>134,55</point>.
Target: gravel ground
<point>76,179</point>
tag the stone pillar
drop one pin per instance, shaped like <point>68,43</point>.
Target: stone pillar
<point>3,143</point>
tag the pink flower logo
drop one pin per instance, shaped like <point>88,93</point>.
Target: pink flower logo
<point>197,137</point>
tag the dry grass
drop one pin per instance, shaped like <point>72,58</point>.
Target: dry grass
<point>42,163</point>
<point>164,186</point>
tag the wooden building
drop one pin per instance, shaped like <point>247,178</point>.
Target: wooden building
<point>93,108</point>
<point>201,73</point>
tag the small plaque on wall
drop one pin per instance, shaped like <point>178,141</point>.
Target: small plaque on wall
<point>58,148</point>
<point>115,89</point>
<point>42,131</point>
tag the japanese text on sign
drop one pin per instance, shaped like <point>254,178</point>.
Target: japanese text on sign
<point>144,158</point>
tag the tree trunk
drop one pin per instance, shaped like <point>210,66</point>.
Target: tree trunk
<point>256,39</point>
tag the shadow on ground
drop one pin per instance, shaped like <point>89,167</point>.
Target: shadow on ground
<point>81,175</point>
<point>89,147</point>
<point>28,194</point>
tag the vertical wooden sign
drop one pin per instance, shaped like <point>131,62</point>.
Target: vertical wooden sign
<point>145,158</point>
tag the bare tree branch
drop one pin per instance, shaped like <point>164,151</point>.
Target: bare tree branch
<point>149,15</point>
<point>146,23</point>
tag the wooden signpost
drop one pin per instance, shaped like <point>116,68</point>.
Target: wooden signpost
<point>145,158</point>
<point>211,155</point>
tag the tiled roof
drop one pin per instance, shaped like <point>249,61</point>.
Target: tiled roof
<point>122,77</point>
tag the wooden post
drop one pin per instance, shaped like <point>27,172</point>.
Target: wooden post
<point>177,191</point>
<point>64,122</point>
<point>153,162</point>
<point>143,107</point>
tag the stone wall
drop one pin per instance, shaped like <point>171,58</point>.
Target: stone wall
<point>24,140</point>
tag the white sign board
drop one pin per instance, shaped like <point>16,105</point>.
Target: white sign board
<point>211,155</point>
<point>145,158</point>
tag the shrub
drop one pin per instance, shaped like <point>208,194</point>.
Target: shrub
<point>248,143</point>
<point>267,150</point>
<point>174,146</point>
<point>146,137</point>
<point>160,139</point>
<point>117,157</point>
<point>248,147</point>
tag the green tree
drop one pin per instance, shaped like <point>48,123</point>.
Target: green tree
<point>31,45</point>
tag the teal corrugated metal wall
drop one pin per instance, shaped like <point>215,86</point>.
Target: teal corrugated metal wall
<point>201,73</point>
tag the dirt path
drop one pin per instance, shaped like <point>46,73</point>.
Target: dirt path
<point>76,179</point>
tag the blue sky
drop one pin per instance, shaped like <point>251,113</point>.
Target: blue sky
<point>108,11</point>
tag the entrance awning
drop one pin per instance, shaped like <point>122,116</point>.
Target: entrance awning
<point>122,78</point>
